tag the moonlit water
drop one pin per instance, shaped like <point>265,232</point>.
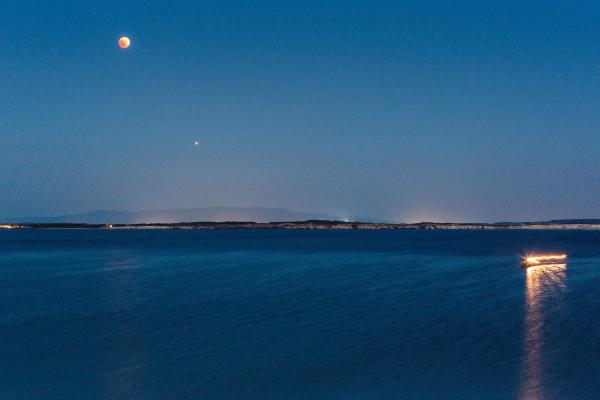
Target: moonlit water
<point>542,282</point>
<point>297,315</point>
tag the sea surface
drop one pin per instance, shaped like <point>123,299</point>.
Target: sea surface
<point>91,314</point>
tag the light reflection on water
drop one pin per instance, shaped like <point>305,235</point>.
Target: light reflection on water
<point>542,282</point>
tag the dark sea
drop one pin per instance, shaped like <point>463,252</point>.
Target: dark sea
<point>91,314</point>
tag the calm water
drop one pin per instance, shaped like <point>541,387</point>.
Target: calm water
<point>297,315</point>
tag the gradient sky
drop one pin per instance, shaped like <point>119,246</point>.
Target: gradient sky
<point>397,110</point>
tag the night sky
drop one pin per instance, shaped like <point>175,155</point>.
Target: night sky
<point>404,111</point>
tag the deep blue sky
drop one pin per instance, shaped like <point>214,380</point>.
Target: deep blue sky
<point>397,110</point>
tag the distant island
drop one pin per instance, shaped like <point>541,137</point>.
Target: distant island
<point>257,218</point>
<point>575,224</point>
<point>173,215</point>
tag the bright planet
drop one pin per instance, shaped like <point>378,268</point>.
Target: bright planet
<point>124,42</point>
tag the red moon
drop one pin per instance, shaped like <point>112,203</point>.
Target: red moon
<point>124,42</point>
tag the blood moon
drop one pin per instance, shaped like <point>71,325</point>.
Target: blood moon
<point>124,42</point>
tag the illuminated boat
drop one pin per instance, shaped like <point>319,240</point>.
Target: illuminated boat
<point>546,259</point>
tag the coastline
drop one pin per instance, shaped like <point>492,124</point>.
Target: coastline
<point>311,225</point>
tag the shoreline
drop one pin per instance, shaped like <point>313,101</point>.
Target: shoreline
<point>308,225</point>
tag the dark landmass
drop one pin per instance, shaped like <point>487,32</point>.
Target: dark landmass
<point>242,214</point>
<point>321,224</point>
